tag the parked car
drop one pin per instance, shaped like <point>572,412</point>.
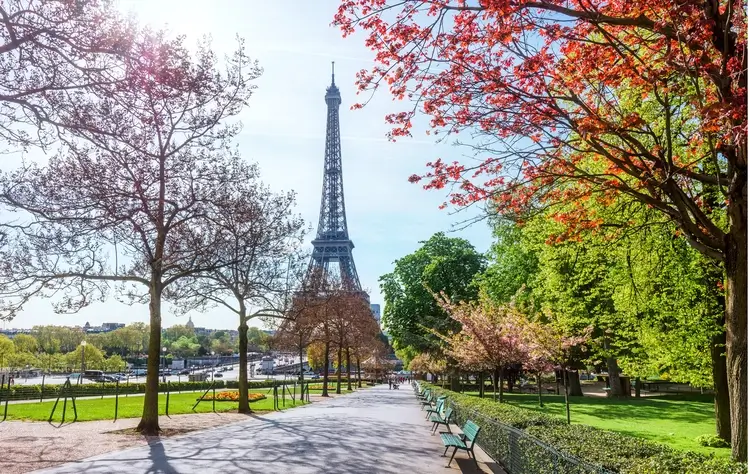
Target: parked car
<point>315,376</point>
<point>95,375</point>
<point>218,375</point>
<point>184,372</point>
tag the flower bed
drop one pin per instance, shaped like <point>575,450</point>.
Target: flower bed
<point>232,396</point>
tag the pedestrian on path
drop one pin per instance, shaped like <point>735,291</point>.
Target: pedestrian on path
<point>390,384</point>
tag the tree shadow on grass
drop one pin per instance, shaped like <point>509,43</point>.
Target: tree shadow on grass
<point>677,408</point>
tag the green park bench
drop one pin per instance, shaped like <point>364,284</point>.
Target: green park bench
<point>428,401</point>
<point>438,407</point>
<point>464,441</point>
<point>437,419</point>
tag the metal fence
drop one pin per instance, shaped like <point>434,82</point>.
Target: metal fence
<point>64,396</point>
<point>517,451</point>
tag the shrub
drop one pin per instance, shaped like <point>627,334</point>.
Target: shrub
<point>712,441</point>
<point>616,452</point>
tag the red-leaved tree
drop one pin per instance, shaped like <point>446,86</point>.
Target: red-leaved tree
<point>572,100</point>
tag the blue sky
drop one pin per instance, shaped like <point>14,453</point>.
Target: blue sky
<point>284,129</point>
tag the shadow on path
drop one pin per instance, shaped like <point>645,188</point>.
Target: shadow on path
<point>372,431</point>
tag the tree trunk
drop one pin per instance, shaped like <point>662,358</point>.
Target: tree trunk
<point>348,370</point>
<point>567,400</point>
<point>359,374</point>
<point>301,366</point>
<point>455,379</point>
<point>325,369</point>
<point>613,370</point>
<point>735,265</point>
<point>244,404</point>
<point>615,386</point>
<point>338,376</point>
<point>539,388</point>
<point>500,384</point>
<point>495,379</point>
<point>637,387</point>
<point>574,384</point>
<point>721,389</point>
<point>480,378</point>
<point>149,424</point>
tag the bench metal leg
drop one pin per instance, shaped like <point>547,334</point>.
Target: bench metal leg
<point>473,456</point>
<point>451,459</point>
<point>446,450</point>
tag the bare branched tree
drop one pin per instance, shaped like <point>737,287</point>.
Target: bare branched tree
<point>255,266</point>
<point>141,182</point>
<point>47,49</point>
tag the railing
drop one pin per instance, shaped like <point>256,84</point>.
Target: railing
<point>517,451</point>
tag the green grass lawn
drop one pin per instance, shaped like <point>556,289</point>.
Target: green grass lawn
<point>675,420</point>
<point>132,407</point>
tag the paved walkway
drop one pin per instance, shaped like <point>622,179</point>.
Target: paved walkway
<point>371,431</point>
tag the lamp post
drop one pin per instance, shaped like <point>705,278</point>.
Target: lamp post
<point>164,355</point>
<point>83,360</point>
<point>214,368</point>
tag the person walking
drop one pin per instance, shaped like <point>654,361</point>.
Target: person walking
<point>390,384</point>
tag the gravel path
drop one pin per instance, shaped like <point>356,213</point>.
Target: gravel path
<point>370,431</point>
<point>28,446</point>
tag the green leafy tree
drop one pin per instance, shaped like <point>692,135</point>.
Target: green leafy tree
<point>442,264</point>
<point>316,355</point>
<point>175,332</point>
<point>256,337</point>
<point>114,363</point>
<point>185,347</point>
<point>93,358</point>
<point>20,360</point>
<point>25,343</point>
<point>7,349</point>
<point>512,266</point>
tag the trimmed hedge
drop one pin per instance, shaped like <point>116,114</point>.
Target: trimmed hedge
<point>616,452</point>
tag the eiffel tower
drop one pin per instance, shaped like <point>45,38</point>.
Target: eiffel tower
<point>332,248</point>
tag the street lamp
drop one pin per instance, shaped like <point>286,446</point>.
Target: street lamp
<point>214,369</point>
<point>83,360</point>
<point>164,355</point>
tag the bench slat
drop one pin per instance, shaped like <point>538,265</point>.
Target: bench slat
<point>452,440</point>
<point>471,430</point>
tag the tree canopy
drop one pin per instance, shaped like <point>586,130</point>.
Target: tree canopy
<point>442,264</point>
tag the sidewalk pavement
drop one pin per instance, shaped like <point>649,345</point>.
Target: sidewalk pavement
<point>374,430</point>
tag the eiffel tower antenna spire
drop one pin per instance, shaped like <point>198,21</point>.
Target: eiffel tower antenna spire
<point>332,247</point>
